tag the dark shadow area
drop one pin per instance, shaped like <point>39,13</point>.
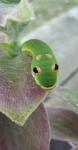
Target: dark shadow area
<point>59,145</point>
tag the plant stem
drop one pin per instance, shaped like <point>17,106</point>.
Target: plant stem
<point>11,48</point>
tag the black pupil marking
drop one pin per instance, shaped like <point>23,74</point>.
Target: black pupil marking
<point>56,67</point>
<point>35,70</point>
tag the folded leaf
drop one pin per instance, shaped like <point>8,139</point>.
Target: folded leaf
<point>19,94</point>
<point>34,135</point>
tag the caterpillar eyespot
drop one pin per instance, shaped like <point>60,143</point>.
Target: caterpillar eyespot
<point>55,67</point>
<point>36,70</point>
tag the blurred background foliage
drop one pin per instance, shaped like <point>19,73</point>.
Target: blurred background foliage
<point>45,10</point>
<point>9,1</point>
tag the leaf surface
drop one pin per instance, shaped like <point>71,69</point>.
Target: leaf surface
<point>34,135</point>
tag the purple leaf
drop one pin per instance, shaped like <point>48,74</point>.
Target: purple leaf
<point>34,135</point>
<point>19,94</point>
<point>64,124</point>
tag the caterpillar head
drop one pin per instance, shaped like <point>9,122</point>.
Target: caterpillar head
<point>45,71</point>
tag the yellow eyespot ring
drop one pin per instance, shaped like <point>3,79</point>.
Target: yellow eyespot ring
<point>55,67</point>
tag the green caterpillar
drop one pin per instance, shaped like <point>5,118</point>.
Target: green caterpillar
<point>44,66</point>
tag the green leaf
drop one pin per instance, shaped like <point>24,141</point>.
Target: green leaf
<point>10,1</point>
<point>22,13</point>
<point>13,19</point>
